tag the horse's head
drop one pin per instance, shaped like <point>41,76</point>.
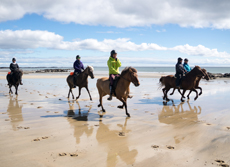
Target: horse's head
<point>206,76</point>
<point>90,70</point>
<point>132,75</point>
<point>198,71</point>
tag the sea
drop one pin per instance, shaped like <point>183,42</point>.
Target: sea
<point>139,69</point>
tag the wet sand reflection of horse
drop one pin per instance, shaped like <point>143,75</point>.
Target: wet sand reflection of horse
<point>117,146</point>
<point>14,112</point>
<point>180,118</point>
<point>79,130</point>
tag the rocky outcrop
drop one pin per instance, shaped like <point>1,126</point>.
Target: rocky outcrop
<point>52,70</point>
<point>218,75</point>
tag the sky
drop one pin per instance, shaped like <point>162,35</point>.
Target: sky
<point>41,33</point>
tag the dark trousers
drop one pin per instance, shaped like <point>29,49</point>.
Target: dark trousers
<point>178,79</point>
<point>112,78</point>
<point>75,78</point>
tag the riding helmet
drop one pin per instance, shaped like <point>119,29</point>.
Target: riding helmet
<point>185,59</point>
<point>112,53</point>
<point>78,57</point>
<point>13,59</point>
<point>179,59</point>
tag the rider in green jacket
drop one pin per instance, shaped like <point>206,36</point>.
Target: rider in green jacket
<point>113,64</point>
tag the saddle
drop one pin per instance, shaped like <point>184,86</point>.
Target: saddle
<point>117,78</point>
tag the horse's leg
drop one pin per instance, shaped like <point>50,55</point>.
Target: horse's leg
<point>10,91</point>
<point>173,91</point>
<point>200,90</point>
<point>100,103</point>
<point>181,93</point>
<point>88,93</point>
<point>122,106</point>
<point>182,96</point>
<point>196,93</point>
<point>72,93</point>
<point>189,94</point>
<point>166,97</point>
<point>125,104</point>
<point>16,88</point>
<point>163,90</point>
<point>79,94</point>
<point>69,92</point>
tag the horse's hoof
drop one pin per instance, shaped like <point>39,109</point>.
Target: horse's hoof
<point>200,94</point>
<point>183,96</point>
<point>171,94</point>
<point>182,100</point>
<point>130,97</point>
<point>121,107</point>
<point>103,110</point>
<point>91,99</point>
<point>167,100</point>
<point>99,105</point>
<point>195,98</point>
<point>128,115</point>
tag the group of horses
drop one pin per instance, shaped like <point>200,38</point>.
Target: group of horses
<point>128,75</point>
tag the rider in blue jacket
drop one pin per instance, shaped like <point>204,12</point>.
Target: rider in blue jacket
<point>186,66</point>
<point>78,67</point>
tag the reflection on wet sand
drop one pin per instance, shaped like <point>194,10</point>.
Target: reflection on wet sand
<point>15,112</point>
<point>79,129</point>
<point>180,118</point>
<point>176,115</point>
<point>116,146</point>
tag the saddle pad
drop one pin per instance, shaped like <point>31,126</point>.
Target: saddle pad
<point>9,72</point>
<point>71,73</point>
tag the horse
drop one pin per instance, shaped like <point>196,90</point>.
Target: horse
<point>187,83</point>
<point>197,81</point>
<point>14,80</point>
<point>82,81</point>
<point>128,75</point>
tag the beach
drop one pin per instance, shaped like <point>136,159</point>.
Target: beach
<point>42,127</point>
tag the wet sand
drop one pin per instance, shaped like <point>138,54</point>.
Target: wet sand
<point>41,127</point>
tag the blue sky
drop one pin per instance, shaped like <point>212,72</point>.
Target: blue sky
<point>53,33</point>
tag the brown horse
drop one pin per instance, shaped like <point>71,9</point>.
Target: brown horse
<point>188,82</point>
<point>197,81</point>
<point>128,75</point>
<point>82,81</point>
<point>14,80</point>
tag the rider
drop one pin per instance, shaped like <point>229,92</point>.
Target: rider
<point>78,67</point>
<point>179,71</point>
<point>186,66</point>
<point>113,64</point>
<point>13,68</point>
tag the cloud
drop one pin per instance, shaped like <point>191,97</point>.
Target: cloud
<point>161,30</point>
<point>119,13</point>
<point>109,32</point>
<point>27,39</point>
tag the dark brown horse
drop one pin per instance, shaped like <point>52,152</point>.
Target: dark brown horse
<point>14,80</point>
<point>128,75</point>
<point>82,81</point>
<point>197,81</point>
<point>188,82</point>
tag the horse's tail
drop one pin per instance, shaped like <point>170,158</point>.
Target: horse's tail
<point>161,82</point>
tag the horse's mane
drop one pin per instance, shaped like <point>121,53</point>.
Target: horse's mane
<point>91,67</point>
<point>126,69</point>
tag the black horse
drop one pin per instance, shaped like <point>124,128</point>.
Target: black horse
<point>14,80</point>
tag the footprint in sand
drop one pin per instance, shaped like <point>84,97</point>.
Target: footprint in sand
<point>47,111</point>
<point>39,107</point>
<point>26,127</point>
<point>155,146</point>
<point>146,111</point>
<point>45,137</point>
<point>4,113</point>
<point>121,134</point>
<point>56,112</point>
<point>73,154</point>
<point>96,125</point>
<point>7,119</point>
<point>19,127</point>
<point>36,139</point>
<point>208,124</point>
<point>62,154</point>
<point>221,163</point>
<point>170,147</point>
<point>228,127</point>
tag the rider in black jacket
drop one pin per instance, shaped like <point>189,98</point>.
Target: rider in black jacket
<point>179,72</point>
<point>14,67</point>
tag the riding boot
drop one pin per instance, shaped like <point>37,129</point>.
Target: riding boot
<point>111,93</point>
